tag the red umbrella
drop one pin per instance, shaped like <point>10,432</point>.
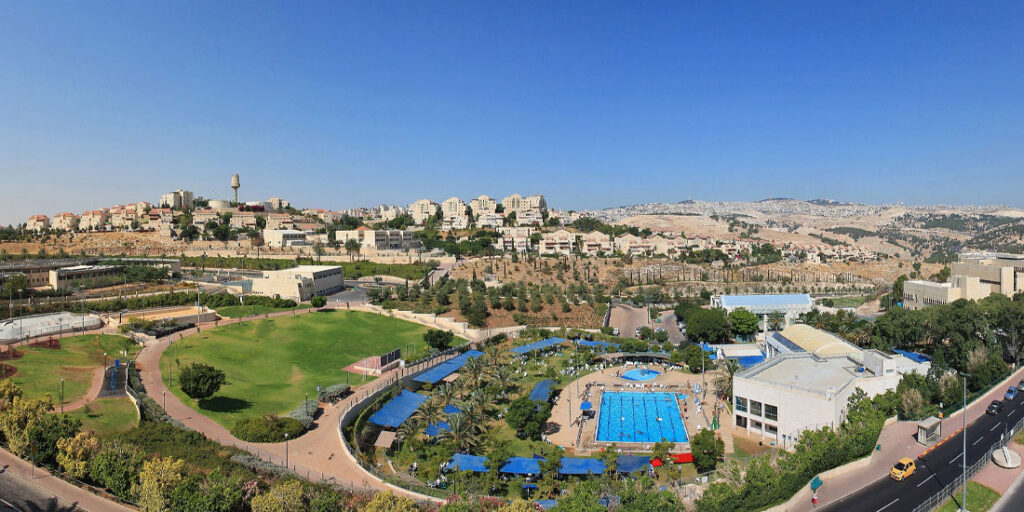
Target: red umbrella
<point>656,463</point>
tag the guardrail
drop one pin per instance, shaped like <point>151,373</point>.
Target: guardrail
<point>947,492</point>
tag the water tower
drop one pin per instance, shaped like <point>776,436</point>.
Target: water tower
<point>235,184</point>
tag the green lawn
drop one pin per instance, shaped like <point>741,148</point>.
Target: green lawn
<point>244,311</point>
<point>39,370</point>
<point>849,302</point>
<point>979,499</point>
<point>107,416</point>
<point>271,364</point>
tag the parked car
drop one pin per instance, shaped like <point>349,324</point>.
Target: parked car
<point>1011,394</point>
<point>1020,384</point>
<point>902,469</point>
<point>615,331</point>
<point>995,407</point>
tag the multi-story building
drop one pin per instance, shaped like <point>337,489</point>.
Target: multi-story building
<point>93,220</point>
<point>490,220</point>
<point>632,245</point>
<point>791,306</point>
<point>483,205</point>
<point>379,239</point>
<point>300,283</point>
<point>279,221</point>
<point>201,217</point>
<point>38,223</point>
<point>455,222</point>
<point>122,218</point>
<point>243,220</point>
<point>974,277</point>
<point>559,242</point>
<point>596,243</point>
<point>276,203</point>
<point>534,202</point>
<point>82,275</point>
<point>512,203</point>
<point>278,238</point>
<point>66,221</point>
<point>177,200</point>
<point>515,239</point>
<point>422,210</point>
<point>529,217</point>
<point>453,207</point>
<point>388,212</point>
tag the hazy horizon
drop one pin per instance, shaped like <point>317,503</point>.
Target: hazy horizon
<point>594,105</point>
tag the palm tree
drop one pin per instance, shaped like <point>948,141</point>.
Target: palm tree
<point>503,376</point>
<point>430,412</point>
<point>494,355</point>
<point>476,413</point>
<point>775,320</point>
<point>723,381</point>
<point>410,428</point>
<point>474,370</point>
<point>446,393</point>
<point>462,433</point>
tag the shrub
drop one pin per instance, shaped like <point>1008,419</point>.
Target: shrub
<point>305,413</point>
<point>267,429</point>
<point>259,465</point>
<point>331,394</point>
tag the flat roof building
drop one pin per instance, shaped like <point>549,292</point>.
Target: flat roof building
<point>278,238</point>
<point>83,275</point>
<point>300,283</point>
<point>975,277</point>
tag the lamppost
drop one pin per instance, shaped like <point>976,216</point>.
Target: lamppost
<point>306,403</point>
<point>286,450</point>
<point>165,400</point>
<point>963,498</point>
<point>62,396</point>
<point>21,310</point>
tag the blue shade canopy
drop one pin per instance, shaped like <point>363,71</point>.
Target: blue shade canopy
<point>759,302</point>
<point>547,504</point>
<point>446,368</point>
<point>541,391</point>
<point>538,345</point>
<point>522,466</point>
<point>596,344</point>
<point>434,429</point>
<point>748,361</point>
<point>466,462</point>
<point>395,412</point>
<point>631,463</point>
<point>451,409</point>
<point>585,406</point>
<point>581,466</point>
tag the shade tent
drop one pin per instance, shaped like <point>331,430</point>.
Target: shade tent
<point>541,391</point>
<point>522,466</point>
<point>596,344</point>
<point>451,409</point>
<point>466,462</point>
<point>579,466</point>
<point>439,372</point>
<point>682,458</point>
<point>631,463</point>
<point>434,429</point>
<point>537,345</point>
<point>395,412</point>
<point>585,406</point>
<point>748,361</point>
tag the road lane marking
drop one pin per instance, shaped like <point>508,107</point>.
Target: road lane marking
<point>887,506</point>
<point>1012,413</point>
<point>976,442</point>
<point>925,480</point>
<point>955,458</point>
<point>994,427</point>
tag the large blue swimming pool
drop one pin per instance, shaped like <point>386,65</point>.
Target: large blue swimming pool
<point>640,418</point>
<point>640,374</point>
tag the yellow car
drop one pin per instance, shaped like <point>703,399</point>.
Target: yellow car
<point>903,468</point>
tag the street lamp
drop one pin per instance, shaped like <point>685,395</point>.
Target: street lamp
<point>62,396</point>
<point>286,450</point>
<point>165,400</point>
<point>963,498</point>
<point>21,310</point>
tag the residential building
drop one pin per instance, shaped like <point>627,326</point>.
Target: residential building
<point>512,203</point>
<point>279,221</point>
<point>243,220</point>
<point>490,220</point>
<point>201,217</point>
<point>529,217</point>
<point>453,207</point>
<point>515,239</point>
<point>160,215</point>
<point>974,277</point>
<point>390,212</point>
<point>93,220</point>
<point>422,210</point>
<point>632,245</point>
<point>596,243</point>
<point>142,207</point>
<point>38,223</point>
<point>379,239</point>
<point>279,238</point>
<point>276,203</point>
<point>300,283</point>
<point>483,205</point>
<point>790,305</point>
<point>559,242</point>
<point>177,200</point>
<point>455,222</point>
<point>122,218</point>
<point>66,221</point>
<point>535,202</point>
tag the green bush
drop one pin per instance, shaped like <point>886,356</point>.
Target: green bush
<point>332,394</point>
<point>267,429</point>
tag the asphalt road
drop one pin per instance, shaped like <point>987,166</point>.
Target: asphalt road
<point>939,468</point>
<point>668,322</point>
<point>18,496</point>
<point>1013,500</point>
<point>627,319</point>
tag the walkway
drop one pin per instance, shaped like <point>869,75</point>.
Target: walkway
<point>318,454</point>
<point>66,493</point>
<point>94,392</point>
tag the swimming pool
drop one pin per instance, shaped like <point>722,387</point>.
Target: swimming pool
<point>634,418</point>
<point>640,374</point>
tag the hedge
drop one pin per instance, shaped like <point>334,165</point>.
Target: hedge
<point>267,429</point>
<point>306,412</point>
<point>331,394</point>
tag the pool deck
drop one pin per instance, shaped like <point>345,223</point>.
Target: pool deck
<point>580,438</point>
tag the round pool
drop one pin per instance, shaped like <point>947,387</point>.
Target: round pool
<point>640,374</point>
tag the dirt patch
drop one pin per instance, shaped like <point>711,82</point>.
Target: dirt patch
<point>7,371</point>
<point>296,376</point>
<point>51,343</point>
<point>11,354</point>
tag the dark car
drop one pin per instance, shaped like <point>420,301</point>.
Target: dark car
<point>995,407</point>
<point>1020,384</point>
<point>1011,394</point>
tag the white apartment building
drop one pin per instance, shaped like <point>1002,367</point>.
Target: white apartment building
<point>379,239</point>
<point>122,218</point>
<point>201,217</point>
<point>243,220</point>
<point>632,245</point>
<point>530,217</point>
<point>483,205</point>
<point>515,239</point>
<point>300,283</point>
<point>422,210</point>
<point>280,221</point>
<point>277,203</point>
<point>455,222</point>
<point>66,221</point>
<point>490,220</point>
<point>596,243</point>
<point>517,203</point>
<point>390,212</point>
<point>453,207</point>
<point>93,220</point>
<point>279,238</point>
<point>38,223</point>
<point>177,200</point>
<point>559,242</point>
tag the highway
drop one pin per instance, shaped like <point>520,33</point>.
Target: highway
<point>939,468</point>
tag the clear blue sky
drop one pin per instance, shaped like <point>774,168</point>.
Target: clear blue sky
<point>341,104</point>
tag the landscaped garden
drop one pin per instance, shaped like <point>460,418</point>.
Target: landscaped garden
<point>271,364</point>
<point>40,367</point>
<point>107,416</point>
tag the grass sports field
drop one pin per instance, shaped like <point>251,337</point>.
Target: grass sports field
<point>39,369</point>
<point>243,311</point>
<point>271,364</point>
<point>107,415</point>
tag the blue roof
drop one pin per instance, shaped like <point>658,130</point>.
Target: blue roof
<point>585,406</point>
<point>434,429</point>
<point>578,466</point>
<point>446,368</point>
<point>761,301</point>
<point>538,345</point>
<point>541,391</point>
<point>451,409</point>
<point>522,466</point>
<point>466,462</point>
<point>631,463</point>
<point>913,356</point>
<point>596,344</point>
<point>748,361</point>
<point>395,412</point>
<point>547,504</point>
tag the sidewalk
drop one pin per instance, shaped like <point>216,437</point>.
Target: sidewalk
<point>897,441</point>
<point>67,493</point>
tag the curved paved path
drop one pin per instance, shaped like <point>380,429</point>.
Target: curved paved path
<point>317,454</point>
<point>93,394</point>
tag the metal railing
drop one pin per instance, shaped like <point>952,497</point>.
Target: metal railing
<point>949,490</point>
